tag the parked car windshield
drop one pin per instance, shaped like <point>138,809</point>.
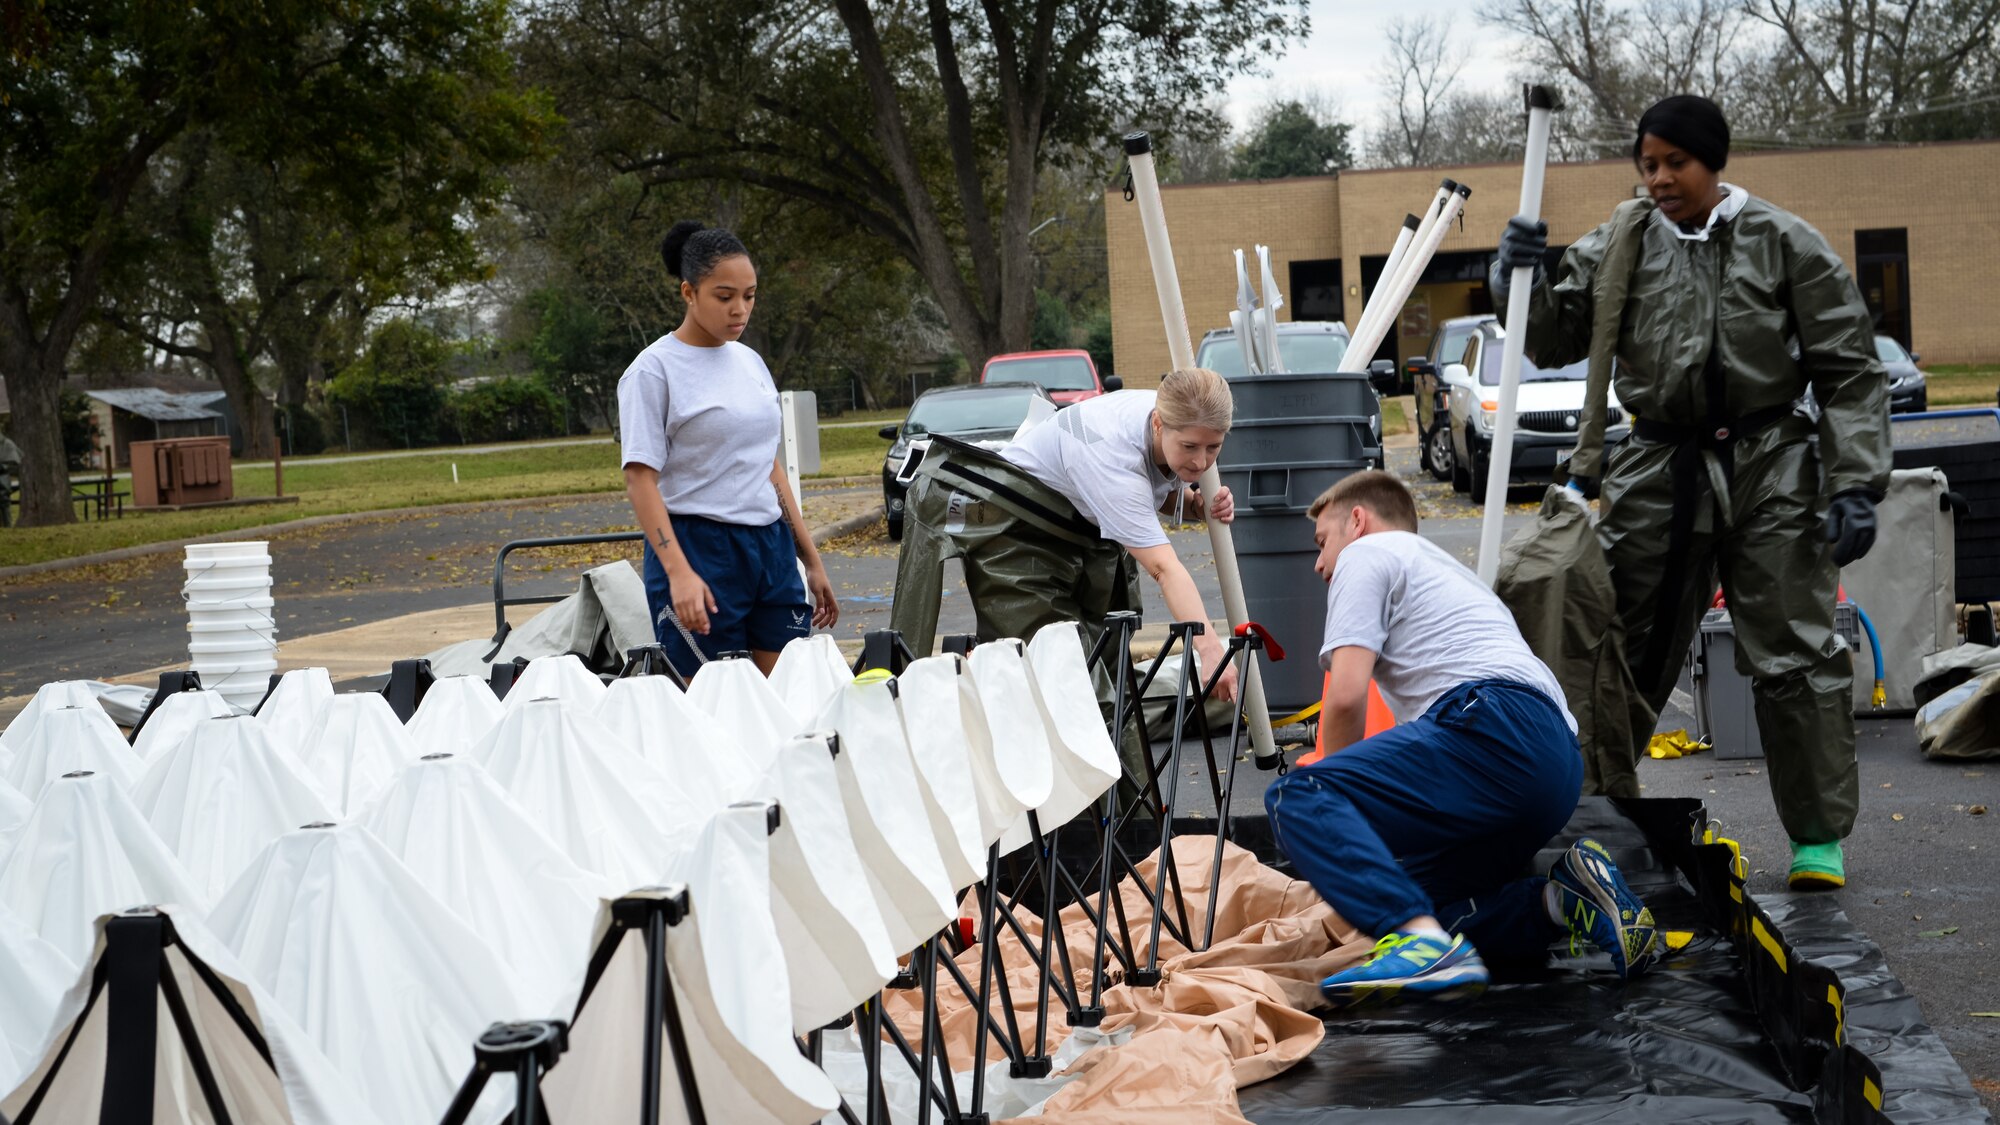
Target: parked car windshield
<point>964,411</point>
<point>1054,373</point>
<point>1889,351</point>
<point>1489,369</point>
<point>1302,351</point>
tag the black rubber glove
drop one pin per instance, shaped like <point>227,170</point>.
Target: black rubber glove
<point>1522,243</point>
<point>1850,525</point>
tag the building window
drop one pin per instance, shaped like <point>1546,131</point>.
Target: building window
<point>1316,290</point>
<point>1882,269</point>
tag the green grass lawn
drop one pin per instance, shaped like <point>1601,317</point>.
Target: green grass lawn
<point>325,486</point>
<point>1962,384</point>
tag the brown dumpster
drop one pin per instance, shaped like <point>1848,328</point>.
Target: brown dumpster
<point>181,471</point>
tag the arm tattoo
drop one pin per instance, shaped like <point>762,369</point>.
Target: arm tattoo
<point>662,541</point>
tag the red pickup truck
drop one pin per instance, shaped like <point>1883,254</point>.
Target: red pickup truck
<point>1068,375</point>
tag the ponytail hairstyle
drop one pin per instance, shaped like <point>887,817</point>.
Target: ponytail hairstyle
<point>691,250</point>
<point>1194,396</point>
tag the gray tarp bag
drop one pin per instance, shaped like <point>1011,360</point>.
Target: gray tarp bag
<point>1553,575</point>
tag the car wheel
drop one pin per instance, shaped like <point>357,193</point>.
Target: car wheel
<point>1460,482</point>
<point>1479,478</point>
<point>895,527</point>
<point>1438,450</point>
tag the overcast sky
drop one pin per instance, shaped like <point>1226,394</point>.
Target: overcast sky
<point>1347,45</point>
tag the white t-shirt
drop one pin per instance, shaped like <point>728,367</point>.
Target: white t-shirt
<point>707,419</point>
<point>1431,623</point>
<point>1099,454</point>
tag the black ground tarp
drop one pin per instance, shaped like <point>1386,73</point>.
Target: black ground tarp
<point>1776,1011</point>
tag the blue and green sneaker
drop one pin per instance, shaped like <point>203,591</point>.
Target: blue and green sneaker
<point>1409,965</point>
<point>1591,898</point>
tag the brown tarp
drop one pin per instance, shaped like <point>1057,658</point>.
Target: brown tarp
<point>1219,1020</point>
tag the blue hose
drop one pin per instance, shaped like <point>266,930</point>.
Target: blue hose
<point>1874,640</point>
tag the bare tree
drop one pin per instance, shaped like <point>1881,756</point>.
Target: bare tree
<point>1871,63</point>
<point>1417,77</point>
<point>1613,60</point>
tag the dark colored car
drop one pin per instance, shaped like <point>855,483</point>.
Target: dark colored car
<point>1068,375</point>
<point>1908,392</point>
<point>1434,445</point>
<point>984,412</point>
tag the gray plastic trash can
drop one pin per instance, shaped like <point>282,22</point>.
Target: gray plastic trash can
<point>1294,435</point>
<point>1725,712</point>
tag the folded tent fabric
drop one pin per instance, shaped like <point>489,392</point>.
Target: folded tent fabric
<point>87,851</point>
<point>610,810</point>
<point>928,696</point>
<point>354,751</point>
<point>55,693</point>
<point>562,676</point>
<point>457,711</point>
<point>69,738</point>
<point>738,696</point>
<point>729,982</point>
<point>296,1086</point>
<point>1021,752</point>
<point>948,708</point>
<point>809,670</point>
<point>886,812</point>
<point>294,705</point>
<point>174,717</point>
<point>478,852</point>
<point>389,983</point>
<point>837,948</point>
<point>33,978</point>
<point>651,715</point>
<point>222,795</point>
<point>1274,940</point>
<point>14,811</point>
<point>1086,764</point>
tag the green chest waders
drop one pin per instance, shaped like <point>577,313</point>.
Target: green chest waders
<point>1030,558</point>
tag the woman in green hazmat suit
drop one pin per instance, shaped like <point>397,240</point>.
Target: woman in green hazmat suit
<point>1725,311</point>
<point>1059,524</point>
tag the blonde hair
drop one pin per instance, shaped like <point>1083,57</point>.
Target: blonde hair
<point>1194,396</point>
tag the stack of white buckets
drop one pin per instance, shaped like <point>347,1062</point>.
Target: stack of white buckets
<point>231,635</point>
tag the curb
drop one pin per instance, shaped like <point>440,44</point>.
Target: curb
<point>264,531</point>
<point>848,526</point>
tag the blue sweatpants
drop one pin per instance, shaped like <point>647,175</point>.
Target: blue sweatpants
<point>1439,816</point>
<point>753,575</point>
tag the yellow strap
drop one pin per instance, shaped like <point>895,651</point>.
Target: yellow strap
<point>1298,717</point>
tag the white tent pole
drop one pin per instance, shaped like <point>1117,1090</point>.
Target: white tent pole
<point>1180,352</point>
<point>1267,338</point>
<point>1363,346</point>
<point>1520,289</point>
<point>1394,261</point>
<point>1377,309</point>
<point>1244,319</point>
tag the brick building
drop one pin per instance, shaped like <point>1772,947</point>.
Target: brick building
<point>1919,225</point>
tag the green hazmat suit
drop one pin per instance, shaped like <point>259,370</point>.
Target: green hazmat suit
<point>1717,339</point>
<point>1030,559</point>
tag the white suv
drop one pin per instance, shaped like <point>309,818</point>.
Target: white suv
<point>1548,411</point>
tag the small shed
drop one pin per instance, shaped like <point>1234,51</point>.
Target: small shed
<point>130,414</point>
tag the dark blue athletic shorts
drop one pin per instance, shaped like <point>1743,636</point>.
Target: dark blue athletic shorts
<point>753,575</point>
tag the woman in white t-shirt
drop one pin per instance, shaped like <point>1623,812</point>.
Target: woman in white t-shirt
<point>698,418</point>
<point>1052,527</point>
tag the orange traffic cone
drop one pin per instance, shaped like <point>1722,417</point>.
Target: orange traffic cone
<point>1379,719</point>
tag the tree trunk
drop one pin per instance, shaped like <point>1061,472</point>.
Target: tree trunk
<point>36,396</point>
<point>253,411</point>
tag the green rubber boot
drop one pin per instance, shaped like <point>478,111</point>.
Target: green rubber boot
<point>1817,867</point>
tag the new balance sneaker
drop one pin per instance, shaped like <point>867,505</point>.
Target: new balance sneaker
<point>1591,898</point>
<point>1817,867</point>
<point>1409,965</point>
